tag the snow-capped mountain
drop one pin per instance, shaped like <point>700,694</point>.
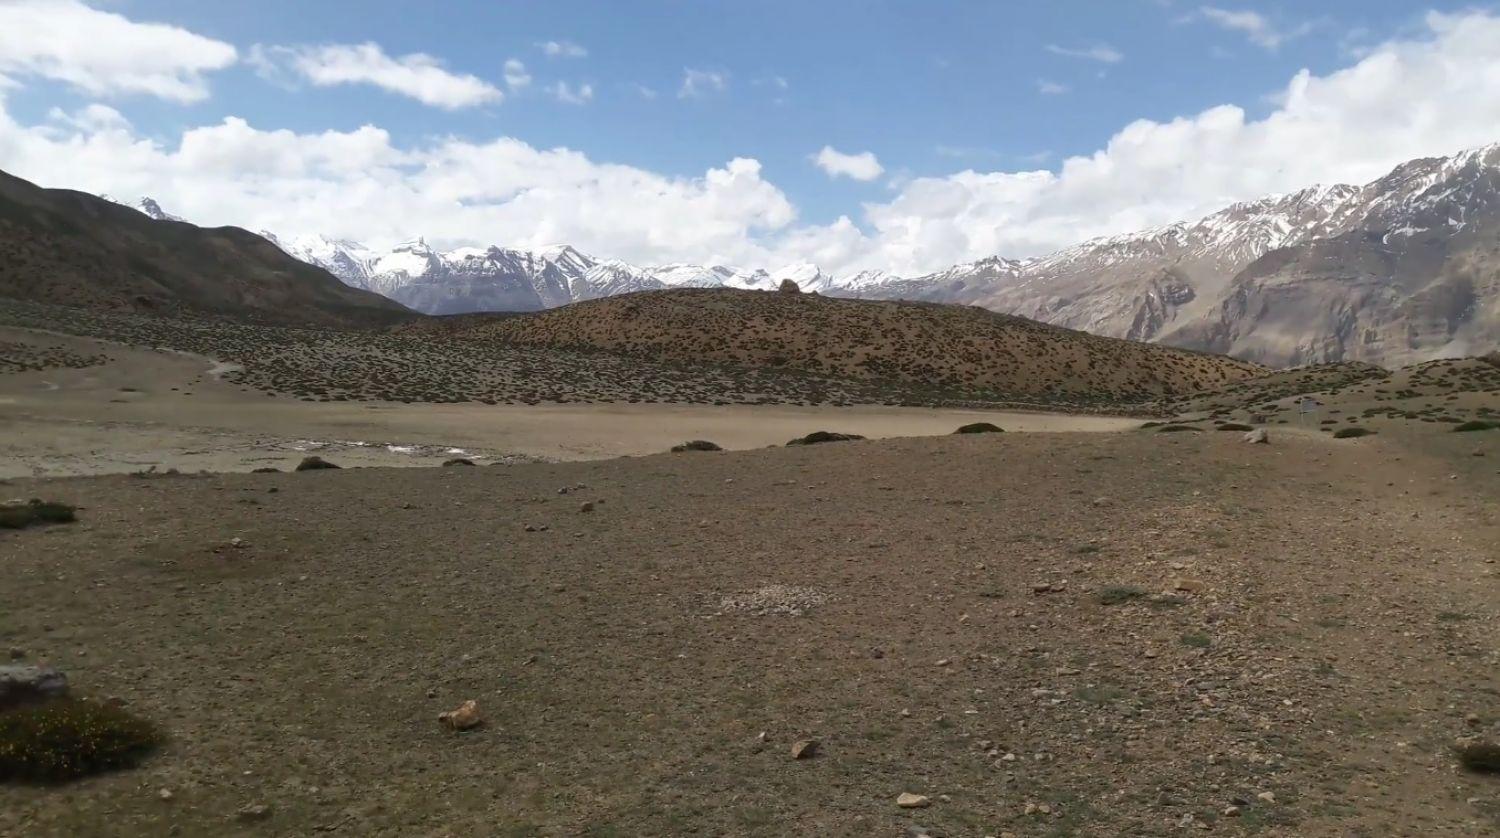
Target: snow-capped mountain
<point>149,206</point>
<point>1203,284</point>
<point>1400,269</point>
<point>503,279</point>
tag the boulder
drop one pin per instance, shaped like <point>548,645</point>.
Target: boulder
<point>804,748</point>
<point>696,445</point>
<point>314,463</point>
<point>907,800</point>
<point>1258,437</point>
<point>459,461</point>
<point>789,287</point>
<point>22,684</point>
<point>980,428</point>
<point>817,437</point>
<point>465,717</point>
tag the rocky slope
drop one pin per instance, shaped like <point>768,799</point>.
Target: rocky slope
<point>941,347</point>
<point>59,246</point>
<point>1397,271</point>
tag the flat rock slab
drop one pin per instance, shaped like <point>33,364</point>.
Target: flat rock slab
<point>22,684</point>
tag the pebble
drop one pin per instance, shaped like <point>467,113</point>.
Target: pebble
<point>253,812</point>
<point>907,800</point>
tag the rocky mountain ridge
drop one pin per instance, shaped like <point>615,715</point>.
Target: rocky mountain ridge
<point>1398,270</point>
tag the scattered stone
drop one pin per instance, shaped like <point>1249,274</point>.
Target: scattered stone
<point>165,794</point>
<point>1266,797</point>
<point>459,461</point>
<point>907,800</point>
<point>253,812</point>
<point>1257,437</point>
<point>696,445</point>
<point>1189,586</point>
<point>22,684</point>
<point>774,599</point>
<point>314,463</point>
<point>238,543</point>
<point>586,506</point>
<point>465,717</point>
<point>804,749</point>
<point>265,470</point>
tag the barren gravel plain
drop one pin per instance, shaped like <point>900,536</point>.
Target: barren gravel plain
<point>1044,634</point>
<point>1146,629</point>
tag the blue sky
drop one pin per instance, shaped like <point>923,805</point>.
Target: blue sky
<point>929,89</point>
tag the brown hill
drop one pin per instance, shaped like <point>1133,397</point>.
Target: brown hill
<point>61,246</point>
<point>939,346</point>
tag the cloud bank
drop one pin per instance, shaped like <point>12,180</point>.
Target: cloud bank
<point>1432,93</point>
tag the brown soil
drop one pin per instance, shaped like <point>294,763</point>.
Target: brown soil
<point>1309,619</point>
<point>948,347</point>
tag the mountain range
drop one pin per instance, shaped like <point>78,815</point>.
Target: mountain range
<point>1399,270</point>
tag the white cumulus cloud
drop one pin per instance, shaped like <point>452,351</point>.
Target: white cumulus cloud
<point>699,83</point>
<point>562,49</point>
<point>1433,92</point>
<point>1257,27</point>
<point>861,166</point>
<point>418,76</point>
<point>361,185</point>
<point>568,94</point>
<point>1103,53</point>
<point>516,76</point>
<point>105,54</point>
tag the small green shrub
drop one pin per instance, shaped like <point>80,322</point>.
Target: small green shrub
<point>68,738</point>
<point>22,515</point>
<point>1352,433</point>
<point>1197,641</point>
<point>1476,425</point>
<point>1119,594</point>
